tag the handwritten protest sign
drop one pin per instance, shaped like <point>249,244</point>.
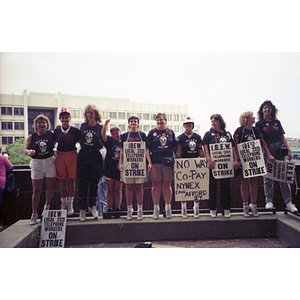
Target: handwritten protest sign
<point>252,159</point>
<point>134,159</point>
<point>191,179</point>
<point>53,229</point>
<point>222,154</point>
<point>283,171</point>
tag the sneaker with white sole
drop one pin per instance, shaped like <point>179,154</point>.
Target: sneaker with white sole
<point>183,211</point>
<point>246,211</point>
<point>156,214</point>
<point>70,208</point>
<point>129,214</point>
<point>82,215</point>
<point>291,207</point>
<point>227,213</point>
<point>213,213</point>
<point>269,205</point>
<point>94,212</point>
<point>33,219</point>
<point>168,214</point>
<point>253,208</point>
<point>196,211</point>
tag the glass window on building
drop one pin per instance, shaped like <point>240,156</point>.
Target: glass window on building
<point>104,114</point>
<point>153,126</point>
<point>146,128</point>
<point>19,137</point>
<point>182,117</point>
<point>176,128</point>
<point>153,116</point>
<point>146,116</point>
<point>76,125</point>
<point>122,127</point>
<point>75,113</point>
<point>7,140</point>
<point>19,125</point>
<point>18,111</point>
<point>112,114</point>
<point>169,117</point>
<point>176,117</point>
<point>139,115</point>
<point>6,126</point>
<point>121,115</point>
<point>128,115</point>
<point>6,111</point>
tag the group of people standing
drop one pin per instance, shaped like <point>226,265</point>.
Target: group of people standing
<point>161,147</point>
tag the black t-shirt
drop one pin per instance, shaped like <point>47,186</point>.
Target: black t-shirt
<point>190,144</point>
<point>271,131</point>
<point>42,144</point>
<point>112,158</point>
<point>245,135</point>
<point>212,137</point>
<point>161,144</point>
<point>90,137</point>
<point>67,141</point>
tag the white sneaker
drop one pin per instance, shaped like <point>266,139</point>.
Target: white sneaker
<point>33,219</point>
<point>213,213</point>
<point>70,208</point>
<point>82,215</point>
<point>269,205</point>
<point>129,214</point>
<point>196,211</point>
<point>156,214</point>
<point>183,211</point>
<point>168,214</point>
<point>253,208</point>
<point>140,215</point>
<point>227,213</point>
<point>94,212</point>
<point>246,211</point>
<point>291,207</point>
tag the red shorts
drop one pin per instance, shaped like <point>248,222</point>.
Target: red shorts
<point>66,165</point>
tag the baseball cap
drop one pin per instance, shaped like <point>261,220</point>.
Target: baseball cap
<point>64,111</point>
<point>188,120</point>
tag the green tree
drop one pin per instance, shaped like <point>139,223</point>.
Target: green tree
<point>16,153</point>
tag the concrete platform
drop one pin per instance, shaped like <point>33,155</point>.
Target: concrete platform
<point>283,226</point>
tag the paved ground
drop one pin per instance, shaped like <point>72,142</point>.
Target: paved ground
<point>230,243</point>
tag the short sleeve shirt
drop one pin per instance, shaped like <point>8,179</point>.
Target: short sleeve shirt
<point>271,131</point>
<point>212,136</point>
<point>190,144</point>
<point>245,135</point>
<point>161,144</point>
<point>67,141</point>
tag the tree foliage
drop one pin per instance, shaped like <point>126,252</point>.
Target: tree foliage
<point>16,153</point>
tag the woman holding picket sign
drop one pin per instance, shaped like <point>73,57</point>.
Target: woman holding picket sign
<point>273,137</point>
<point>134,142</point>
<point>216,135</point>
<point>189,145</point>
<point>247,133</point>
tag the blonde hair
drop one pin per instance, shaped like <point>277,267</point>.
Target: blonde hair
<point>244,117</point>
<point>41,117</point>
<point>96,111</point>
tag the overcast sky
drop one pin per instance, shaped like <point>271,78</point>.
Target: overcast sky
<point>208,82</point>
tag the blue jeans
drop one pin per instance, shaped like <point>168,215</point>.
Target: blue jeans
<point>101,204</point>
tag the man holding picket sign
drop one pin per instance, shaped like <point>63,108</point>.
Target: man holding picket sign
<point>247,143</point>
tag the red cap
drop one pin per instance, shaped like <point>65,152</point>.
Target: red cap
<point>64,111</point>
